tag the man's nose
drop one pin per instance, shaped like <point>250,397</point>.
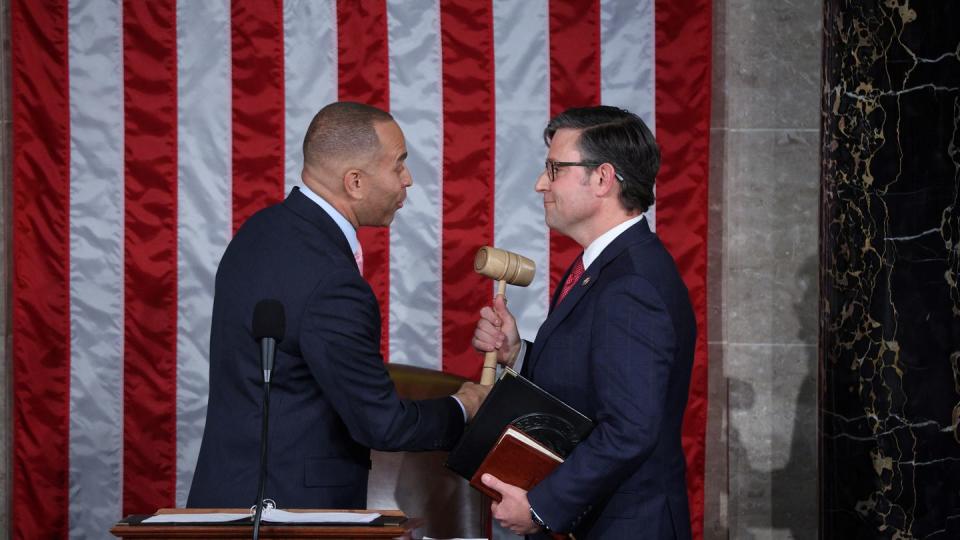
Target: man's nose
<point>543,183</point>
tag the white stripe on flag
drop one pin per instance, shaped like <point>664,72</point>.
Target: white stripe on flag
<point>96,265</point>
<point>310,74</point>
<point>629,80</point>
<point>204,208</point>
<point>521,58</point>
<point>416,100</point>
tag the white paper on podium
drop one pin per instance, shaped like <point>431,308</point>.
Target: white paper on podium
<point>195,518</point>
<point>274,515</point>
<point>271,515</point>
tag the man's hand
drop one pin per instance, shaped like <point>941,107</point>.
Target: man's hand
<point>513,511</point>
<point>471,395</point>
<point>497,330</point>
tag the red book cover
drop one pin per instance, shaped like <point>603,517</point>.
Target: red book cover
<point>516,459</point>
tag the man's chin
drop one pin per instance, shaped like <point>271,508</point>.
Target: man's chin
<point>547,219</point>
<point>379,225</point>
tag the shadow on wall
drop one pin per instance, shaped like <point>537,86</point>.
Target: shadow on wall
<point>773,468</point>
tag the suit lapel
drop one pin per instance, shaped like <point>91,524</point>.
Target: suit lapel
<point>637,233</point>
<point>561,310</point>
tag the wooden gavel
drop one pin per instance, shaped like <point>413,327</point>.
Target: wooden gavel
<point>505,267</point>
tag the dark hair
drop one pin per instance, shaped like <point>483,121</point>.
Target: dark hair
<point>343,129</point>
<point>620,138</point>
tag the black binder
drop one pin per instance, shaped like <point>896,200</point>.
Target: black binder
<point>515,400</point>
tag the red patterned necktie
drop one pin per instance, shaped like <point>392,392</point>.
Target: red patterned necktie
<point>572,279</point>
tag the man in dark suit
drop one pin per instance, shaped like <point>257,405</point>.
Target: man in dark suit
<point>617,345</point>
<point>332,399</point>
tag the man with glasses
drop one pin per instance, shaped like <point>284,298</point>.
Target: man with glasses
<point>617,345</point>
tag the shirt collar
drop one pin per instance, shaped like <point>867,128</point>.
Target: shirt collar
<point>345,226</point>
<point>596,247</point>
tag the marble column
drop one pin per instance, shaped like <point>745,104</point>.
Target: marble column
<point>890,259</point>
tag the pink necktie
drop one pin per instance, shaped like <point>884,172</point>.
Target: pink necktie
<point>574,277</point>
<point>358,256</point>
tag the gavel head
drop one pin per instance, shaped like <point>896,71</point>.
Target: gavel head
<point>504,265</point>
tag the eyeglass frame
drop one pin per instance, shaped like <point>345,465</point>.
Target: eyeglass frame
<point>552,167</point>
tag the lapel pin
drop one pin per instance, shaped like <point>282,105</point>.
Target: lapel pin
<point>585,281</point>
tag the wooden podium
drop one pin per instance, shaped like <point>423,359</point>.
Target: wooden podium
<point>394,524</point>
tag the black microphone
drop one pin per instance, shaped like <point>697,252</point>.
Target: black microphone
<point>268,328</point>
<point>269,325</point>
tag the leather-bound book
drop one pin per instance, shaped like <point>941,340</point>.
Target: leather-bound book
<point>516,459</point>
<point>536,413</point>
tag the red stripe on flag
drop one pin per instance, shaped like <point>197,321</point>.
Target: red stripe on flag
<point>466,29</point>
<point>574,82</point>
<point>364,76</point>
<point>41,255</point>
<point>150,255</point>
<point>256,39</point>
<point>683,111</point>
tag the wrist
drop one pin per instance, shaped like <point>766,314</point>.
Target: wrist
<point>516,354</point>
<point>512,357</point>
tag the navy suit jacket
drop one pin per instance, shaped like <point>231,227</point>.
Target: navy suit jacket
<point>619,348</point>
<point>331,398</point>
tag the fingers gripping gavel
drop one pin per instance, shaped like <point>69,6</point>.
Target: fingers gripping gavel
<point>505,267</point>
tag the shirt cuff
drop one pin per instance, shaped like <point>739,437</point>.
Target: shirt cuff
<point>537,520</point>
<point>518,362</point>
<point>462,408</point>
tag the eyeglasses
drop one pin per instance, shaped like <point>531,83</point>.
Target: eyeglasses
<point>553,167</point>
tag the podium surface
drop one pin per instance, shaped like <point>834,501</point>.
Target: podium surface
<point>392,524</point>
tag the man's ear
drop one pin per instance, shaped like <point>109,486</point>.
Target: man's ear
<point>607,179</point>
<point>353,183</point>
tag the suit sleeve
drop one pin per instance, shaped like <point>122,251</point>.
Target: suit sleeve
<point>633,344</point>
<point>340,341</point>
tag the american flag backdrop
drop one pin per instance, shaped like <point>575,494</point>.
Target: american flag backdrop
<point>146,131</point>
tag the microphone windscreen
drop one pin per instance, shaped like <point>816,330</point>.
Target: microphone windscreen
<point>269,320</point>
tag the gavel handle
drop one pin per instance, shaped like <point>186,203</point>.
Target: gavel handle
<point>489,373</point>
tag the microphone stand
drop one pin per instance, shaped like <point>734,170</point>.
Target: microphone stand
<point>263,447</point>
<point>268,326</point>
<point>263,460</point>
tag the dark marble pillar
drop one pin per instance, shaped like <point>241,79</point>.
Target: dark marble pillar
<point>890,259</point>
